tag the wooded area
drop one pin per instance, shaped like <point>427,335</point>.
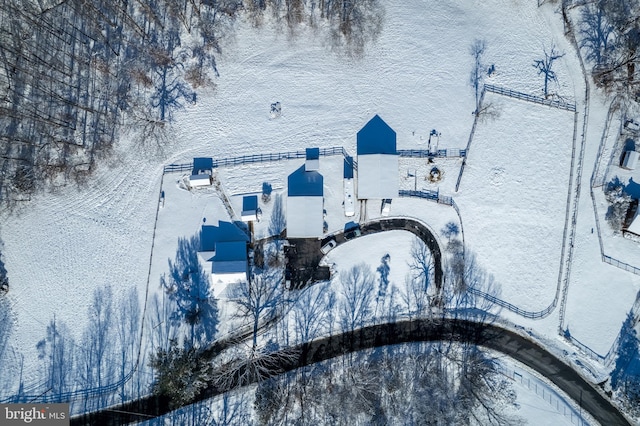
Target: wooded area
<point>74,72</point>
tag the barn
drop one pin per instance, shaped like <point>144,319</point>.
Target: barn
<point>377,161</point>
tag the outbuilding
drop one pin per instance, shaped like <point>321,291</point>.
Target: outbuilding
<point>377,161</point>
<point>202,172</point>
<point>250,209</point>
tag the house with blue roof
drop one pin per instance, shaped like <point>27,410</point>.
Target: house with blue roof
<point>377,161</point>
<point>305,204</point>
<point>223,255</point>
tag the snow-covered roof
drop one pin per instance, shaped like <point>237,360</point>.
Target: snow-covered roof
<point>305,217</point>
<point>303,183</point>
<point>200,180</point>
<point>634,227</point>
<point>376,137</point>
<point>630,160</point>
<point>377,176</point>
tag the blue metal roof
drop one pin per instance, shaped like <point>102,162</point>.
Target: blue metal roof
<point>302,183</point>
<point>249,203</point>
<point>376,137</point>
<point>348,168</point>
<point>202,164</point>
<point>224,232</point>
<point>313,153</point>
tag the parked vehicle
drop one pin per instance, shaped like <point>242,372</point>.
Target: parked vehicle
<point>352,234</point>
<point>328,246</point>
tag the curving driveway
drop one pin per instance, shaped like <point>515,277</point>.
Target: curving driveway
<point>491,336</point>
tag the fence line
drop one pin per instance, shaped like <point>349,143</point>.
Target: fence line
<point>530,98</point>
<point>546,392</point>
<point>473,131</point>
<point>615,262</point>
<point>260,158</point>
<point>513,308</point>
<point>425,153</point>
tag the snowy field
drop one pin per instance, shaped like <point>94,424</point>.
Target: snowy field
<point>513,197</point>
<point>600,295</point>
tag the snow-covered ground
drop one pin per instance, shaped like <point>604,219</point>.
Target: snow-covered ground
<point>512,199</point>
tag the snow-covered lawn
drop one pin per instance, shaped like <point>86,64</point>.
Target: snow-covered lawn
<point>513,197</point>
<point>370,249</point>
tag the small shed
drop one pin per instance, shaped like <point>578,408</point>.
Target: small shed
<point>305,204</point>
<point>249,208</point>
<point>201,173</point>
<point>630,160</point>
<point>312,161</point>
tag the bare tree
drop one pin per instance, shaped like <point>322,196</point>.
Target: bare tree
<point>259,299</point>
<point>97,355</point>
<point>128,330</point>
<point>56,350</point>
<point>310,311</point>
<point>597,34</point>
<point>357,285</point>
<point>414,297</point>
<point>545,67</point>
<point>421,263</point>
<point>477,50</point>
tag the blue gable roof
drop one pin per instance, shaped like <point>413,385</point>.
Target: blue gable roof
<point>376,137</point>
<point>302,183</point>
<point>224,232</point>
<point>348,167</point>
<point>249,203</point>
<point>202,164</point>
<point>313,153</point>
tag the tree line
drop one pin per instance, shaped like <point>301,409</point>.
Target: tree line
<point>74,74</point>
